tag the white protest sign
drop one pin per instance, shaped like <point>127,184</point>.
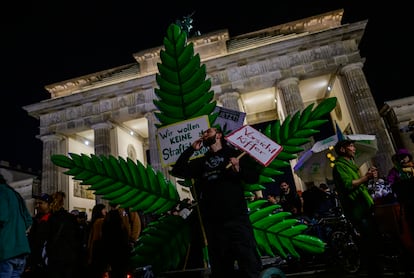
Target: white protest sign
<point>173,139</point>
<point>255,143</point>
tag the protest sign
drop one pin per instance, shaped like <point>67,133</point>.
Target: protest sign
<point>173,139</point>
<point>228,119</point>
<point>255,143</point>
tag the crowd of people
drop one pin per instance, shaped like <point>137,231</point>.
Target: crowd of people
<point>315,202</point>
<point>358,196</point>
<point>57,243</point>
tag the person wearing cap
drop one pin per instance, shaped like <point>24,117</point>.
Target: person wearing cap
<point>219,175</point>
<point>15,221</point>
<point>357,203</point>
<point>38,235</point>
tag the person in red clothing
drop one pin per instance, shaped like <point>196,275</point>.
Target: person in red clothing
<point>38,235</point>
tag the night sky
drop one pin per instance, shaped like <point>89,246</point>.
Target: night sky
<point>44,42</point>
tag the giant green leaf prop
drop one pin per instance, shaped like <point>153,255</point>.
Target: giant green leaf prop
<point>184,93</point>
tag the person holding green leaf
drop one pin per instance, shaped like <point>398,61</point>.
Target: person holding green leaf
<point>220,194</point>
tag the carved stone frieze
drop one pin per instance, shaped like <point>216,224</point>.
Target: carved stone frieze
<point>304,63</point>
<point>78,118</point>
<point>73,112</point>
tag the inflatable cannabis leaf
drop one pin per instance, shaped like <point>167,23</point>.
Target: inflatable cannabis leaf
<point>184,93</point>
<point>122,181</point>
<point>162,244</point>
<point>279,234</point>
<point>291,135</point>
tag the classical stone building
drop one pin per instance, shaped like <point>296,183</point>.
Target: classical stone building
<point>24,181</point>
<point>399,118</point>
<point>267,74</point>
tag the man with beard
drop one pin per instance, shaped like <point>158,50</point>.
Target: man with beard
<point>218,181</point>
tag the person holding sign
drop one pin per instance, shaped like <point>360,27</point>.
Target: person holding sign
<point>223,207</point>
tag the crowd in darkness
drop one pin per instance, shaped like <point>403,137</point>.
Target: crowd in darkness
<point>375,204</point>
<point>57,243</point>
<point>65,244</point>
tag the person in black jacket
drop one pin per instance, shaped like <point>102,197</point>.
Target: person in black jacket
<point>218,180</point>
<point>38,235</point>
<point>290,199</point>
<point>63,246</point>
<point>115,240</point>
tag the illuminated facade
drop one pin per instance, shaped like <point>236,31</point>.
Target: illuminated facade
<point>267,74</point>
<point>398,116</point>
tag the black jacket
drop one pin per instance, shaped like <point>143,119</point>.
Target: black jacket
<point>220,191</point>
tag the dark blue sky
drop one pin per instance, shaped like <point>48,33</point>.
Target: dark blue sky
<point>44,42</point>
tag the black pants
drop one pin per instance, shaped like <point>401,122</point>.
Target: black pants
<point>230,242</point>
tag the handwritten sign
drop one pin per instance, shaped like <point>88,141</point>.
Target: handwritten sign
<point>255,143</point>
<point>173,139</point>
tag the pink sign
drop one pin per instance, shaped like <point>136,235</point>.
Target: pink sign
<point>255,143</point>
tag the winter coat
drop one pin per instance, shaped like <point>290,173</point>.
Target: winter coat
<point>15,220</point>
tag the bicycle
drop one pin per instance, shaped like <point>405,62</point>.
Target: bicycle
<point>341,241</point>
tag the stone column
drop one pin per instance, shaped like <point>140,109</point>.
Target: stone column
<point>365,115</point>
<point>52,178</point>
<point>154,160</point>
<point>292,101</point>
<point>291,96</point>
<point>230,100</point>
<point>102,135</point>
<point>102,145</point>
